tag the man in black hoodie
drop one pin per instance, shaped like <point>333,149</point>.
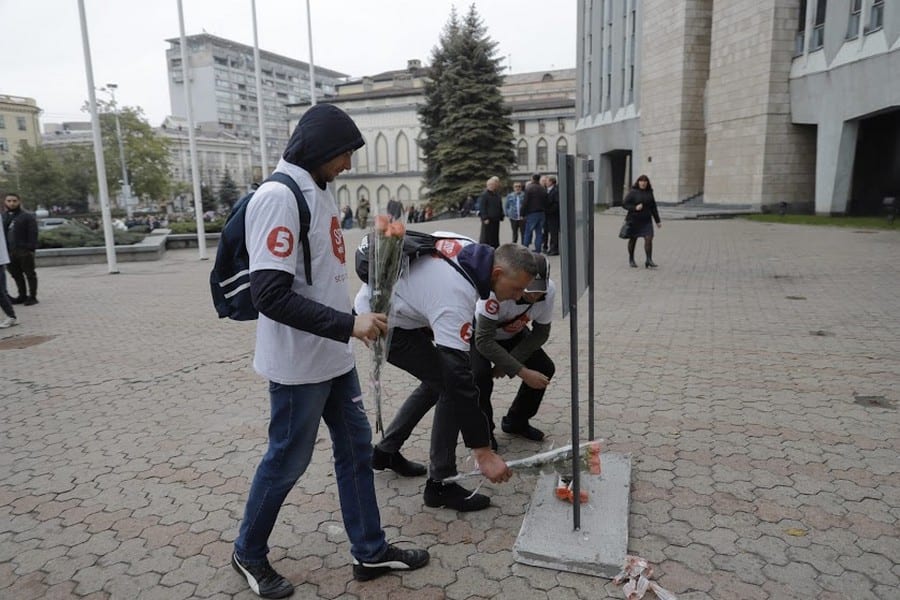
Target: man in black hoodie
<point>302,349</point>
<point>432,310</point>
<point>22,240</point>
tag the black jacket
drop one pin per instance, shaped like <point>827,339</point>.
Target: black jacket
<point>21,230</point>
<point>490,206</point>
<point>638,196</point>
<point>553,203</point>
<point>535,199</point>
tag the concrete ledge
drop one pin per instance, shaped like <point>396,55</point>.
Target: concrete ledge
<point>152,247</point>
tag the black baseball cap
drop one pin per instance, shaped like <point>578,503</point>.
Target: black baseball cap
<point>539,283</point>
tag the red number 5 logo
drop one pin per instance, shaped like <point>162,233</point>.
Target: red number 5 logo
<point>280,242</point>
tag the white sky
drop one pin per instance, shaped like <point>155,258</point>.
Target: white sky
<point>42,54</point>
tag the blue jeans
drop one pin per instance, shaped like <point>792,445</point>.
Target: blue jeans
<point>534,225</point>
<point>296,412</point>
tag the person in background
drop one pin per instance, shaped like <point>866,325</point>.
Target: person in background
<point>5,304</point>
<point>535,212</point>
<point>552,217</point>
<point>642,212</point>
<point>491,213</point>
<point>513,210</point>
<point>22,242</point>
<point>302,349</point>
<point>362,212</point>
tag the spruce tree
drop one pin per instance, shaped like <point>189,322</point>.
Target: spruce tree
<point>468,133</point>
<point>228,191</point>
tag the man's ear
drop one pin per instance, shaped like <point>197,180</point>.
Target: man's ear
<point>496,272</point>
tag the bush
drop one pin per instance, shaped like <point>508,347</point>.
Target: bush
<point>191,226</point>
<point>75,235</point>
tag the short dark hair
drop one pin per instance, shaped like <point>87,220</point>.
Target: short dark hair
<point>18,197</point>
<point>535,178</point>
<point>515,258</point>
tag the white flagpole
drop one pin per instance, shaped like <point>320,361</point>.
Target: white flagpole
<point>312,71</point>
<point>260,107</point>
<point>195,172</point>
<point>98,148</point>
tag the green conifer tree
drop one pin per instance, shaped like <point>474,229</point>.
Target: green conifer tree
<point>468,132</point>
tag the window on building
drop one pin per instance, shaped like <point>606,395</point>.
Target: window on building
<point>220,60</point>
<point>521,127</point>
<point>2,122</point>
<point>855,17</point>
<point>800,37</point>
<point>561,124</point>
<point>175,62</point>
<point>542,127</point>
<point>4,145</point>
<point>562,146</point>
<point>876,16</point>
<point>817,40</point>
<point>541,153</point>
<point>21,124</point>
<point>522,153</point>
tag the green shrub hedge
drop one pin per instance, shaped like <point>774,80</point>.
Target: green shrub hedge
<point>74,235</point>
<point>191,226</point>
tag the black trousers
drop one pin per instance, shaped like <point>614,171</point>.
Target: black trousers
<point>552,236</point>
<point>21,268</point>
<point>527,401</point>
<point>518,229</point>
<point>490,232</point>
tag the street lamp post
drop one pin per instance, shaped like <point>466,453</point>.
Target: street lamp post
<point>126,187</point>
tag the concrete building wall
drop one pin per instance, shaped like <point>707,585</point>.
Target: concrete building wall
<point>18,124</point>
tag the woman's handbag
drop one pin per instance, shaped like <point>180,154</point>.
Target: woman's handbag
<point>626,231</point>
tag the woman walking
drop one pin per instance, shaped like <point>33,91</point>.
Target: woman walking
<point>641,207</point>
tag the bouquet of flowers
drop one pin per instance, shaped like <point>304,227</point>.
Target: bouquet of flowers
<point>385,266</point>
<point>560,458</point>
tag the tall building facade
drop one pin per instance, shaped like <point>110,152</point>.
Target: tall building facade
<point>18,124</point>
<point>223,90</point>
<point>754,103</point>
<point>384,107</point>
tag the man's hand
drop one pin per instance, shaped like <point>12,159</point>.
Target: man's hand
<point>497,372</point>
<point>639,206</point>
<point>368,326</point>
<point>491,465</point>
<point>534,379</point>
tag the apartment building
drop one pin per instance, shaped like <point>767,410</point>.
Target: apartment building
<point>223,90</point>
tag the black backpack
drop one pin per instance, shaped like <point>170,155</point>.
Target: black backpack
<point>415,244</point>
<point>229,281</point>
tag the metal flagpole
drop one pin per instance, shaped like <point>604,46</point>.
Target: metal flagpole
<point>195,172</point>
<point>263,147</point>
<point>98,147</point>
<point>312,69</point>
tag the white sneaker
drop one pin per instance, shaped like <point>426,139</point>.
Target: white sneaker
<point>8,322</point>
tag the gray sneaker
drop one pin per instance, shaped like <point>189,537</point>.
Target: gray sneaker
<point>8,322</point>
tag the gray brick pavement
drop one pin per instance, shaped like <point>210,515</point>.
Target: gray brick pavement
<point>738,374</point>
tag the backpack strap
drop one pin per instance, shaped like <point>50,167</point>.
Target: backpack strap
<point>305,218</point>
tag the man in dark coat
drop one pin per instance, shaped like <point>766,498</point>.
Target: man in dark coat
<point>552,216</point>
<point>534,211</point>
<point>490,209</point>
<point>22,240</point>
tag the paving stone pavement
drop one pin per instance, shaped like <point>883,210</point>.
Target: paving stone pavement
<point>754,376</point>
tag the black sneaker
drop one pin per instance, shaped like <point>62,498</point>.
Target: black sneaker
<point>394,559</point>
<point>31,300</point>
<point>453,495</point>
<point>17,300</point>
<point>523,429</point>
<point>263,579</point>
<point>394,461</point>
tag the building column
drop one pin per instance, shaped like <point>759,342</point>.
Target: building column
<point>835,151</point>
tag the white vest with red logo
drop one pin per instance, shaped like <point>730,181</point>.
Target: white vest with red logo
<point>284,354</point>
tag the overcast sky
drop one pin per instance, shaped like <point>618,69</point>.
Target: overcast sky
<point>42,55</point>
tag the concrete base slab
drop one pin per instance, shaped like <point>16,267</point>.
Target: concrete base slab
<point>548,540</point>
